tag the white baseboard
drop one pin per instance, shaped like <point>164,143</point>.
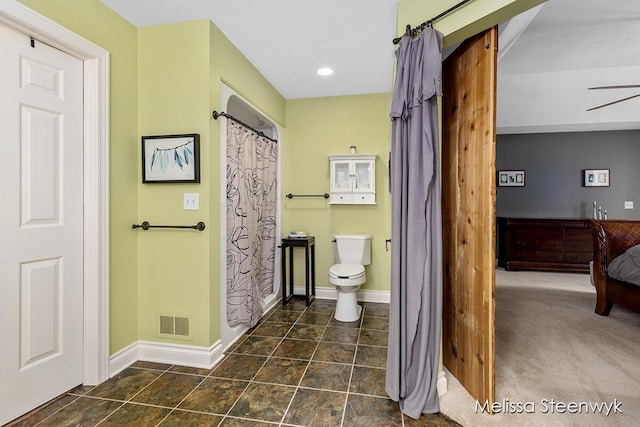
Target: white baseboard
<point>174,354</point>
<point>363,295</point>
<point>442,383</point>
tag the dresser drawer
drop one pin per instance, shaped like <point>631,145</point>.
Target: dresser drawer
<point>579,246</point>
<point>578,257</point>
<point>532,255</point>
<point>578,234</point>
<point>538,244</point>
<point>536,233</point>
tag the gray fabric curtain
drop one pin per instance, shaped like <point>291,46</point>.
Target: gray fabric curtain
<point>251,222</point>
<point>416,228</point>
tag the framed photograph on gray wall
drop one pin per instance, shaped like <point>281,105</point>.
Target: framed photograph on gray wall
<point>596,177</point>
<point>511,178</point>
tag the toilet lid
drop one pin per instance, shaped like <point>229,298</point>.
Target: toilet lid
<point>346,270</point>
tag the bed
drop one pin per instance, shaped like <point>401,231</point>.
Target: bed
<point>615,240</point>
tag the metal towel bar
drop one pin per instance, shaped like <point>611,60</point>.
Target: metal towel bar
<point>291,196</point>
<point>145,226</point>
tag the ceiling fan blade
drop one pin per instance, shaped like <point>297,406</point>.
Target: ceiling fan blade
<point>614,87</point>
<point>614,102</point>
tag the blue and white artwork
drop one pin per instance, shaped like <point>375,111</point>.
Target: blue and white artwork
<point>172,158</point>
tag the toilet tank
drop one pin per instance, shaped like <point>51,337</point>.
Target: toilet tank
<point>353,249</point>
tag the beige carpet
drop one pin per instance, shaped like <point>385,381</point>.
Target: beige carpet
<point>551,345</point>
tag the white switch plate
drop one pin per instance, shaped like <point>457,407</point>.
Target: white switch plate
<point>191,201</point>
<point>628,205</point>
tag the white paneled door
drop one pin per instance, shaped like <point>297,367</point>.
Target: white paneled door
<point>41,223</point>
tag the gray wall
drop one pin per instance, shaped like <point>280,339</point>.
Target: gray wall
<point>554,165</point>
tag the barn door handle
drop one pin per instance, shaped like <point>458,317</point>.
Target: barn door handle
<point>386,244</point>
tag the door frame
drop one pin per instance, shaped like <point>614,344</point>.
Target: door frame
<point>96,177</point>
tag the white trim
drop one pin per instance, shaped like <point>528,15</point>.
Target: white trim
<point>96,176</point>
<point>332,294</point>
<point>122,359</point>
<point>172,354</point>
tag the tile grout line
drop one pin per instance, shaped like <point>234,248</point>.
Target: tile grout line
<point>52,414</point>
<point>353,363</point>
<point>251,381</point>
<point>308,364</point>
<point>123,402</point>
<point>183,399</point>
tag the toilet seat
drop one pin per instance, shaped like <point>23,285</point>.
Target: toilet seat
<point>346,271</point>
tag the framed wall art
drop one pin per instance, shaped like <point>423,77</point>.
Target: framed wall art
<point>171,158</point>
<point>596,177</point>
<point>511,178</point>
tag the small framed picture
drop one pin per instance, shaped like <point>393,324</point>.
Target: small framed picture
<point>171,158</point>
<point>596,177</point>
<point>511,178</point>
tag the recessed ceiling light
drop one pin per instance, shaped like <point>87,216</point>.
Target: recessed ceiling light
<point>324,71</point>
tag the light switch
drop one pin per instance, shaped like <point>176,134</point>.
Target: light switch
<point>628,205</point>
<point>191,201</point>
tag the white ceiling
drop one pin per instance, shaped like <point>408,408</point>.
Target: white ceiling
<point>562,48</point>
<point>548,56</point>
<point>288,40</point>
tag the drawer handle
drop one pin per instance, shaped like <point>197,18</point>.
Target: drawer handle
<point>573,245</point>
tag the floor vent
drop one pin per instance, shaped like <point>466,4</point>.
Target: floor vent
<point>172,326</point>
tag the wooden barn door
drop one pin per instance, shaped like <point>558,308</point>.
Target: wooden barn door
<point>468,213</point>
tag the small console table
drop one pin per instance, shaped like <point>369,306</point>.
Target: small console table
<point>308,244</point>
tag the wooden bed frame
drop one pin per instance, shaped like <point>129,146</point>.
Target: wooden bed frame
<point>610,239</point>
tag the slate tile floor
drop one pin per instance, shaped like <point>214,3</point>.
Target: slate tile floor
<point>297,367</point>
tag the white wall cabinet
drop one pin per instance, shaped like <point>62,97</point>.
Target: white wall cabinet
<point>353,179</point>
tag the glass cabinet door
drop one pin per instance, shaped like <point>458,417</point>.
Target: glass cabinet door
<point>341,176</point>
<point>363,175</point>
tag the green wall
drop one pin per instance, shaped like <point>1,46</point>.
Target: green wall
<point>320,126</point>
<point>166,79</point>
<point>180,70</point>
<point>100,25</point>
<point>174,277</point>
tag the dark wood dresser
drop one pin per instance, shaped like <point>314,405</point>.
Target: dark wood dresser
<point>544,244</point>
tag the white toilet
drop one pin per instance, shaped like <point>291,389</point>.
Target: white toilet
<point>352,253</point>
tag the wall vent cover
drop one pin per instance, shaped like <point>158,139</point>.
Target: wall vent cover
<point>174,326</point>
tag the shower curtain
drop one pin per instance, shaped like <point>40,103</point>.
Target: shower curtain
<point>416,228</point>
<point>251,222</point>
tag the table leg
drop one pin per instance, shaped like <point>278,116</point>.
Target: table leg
<point>313,271</point>
<point>306,274</point>
<point>283,273</point>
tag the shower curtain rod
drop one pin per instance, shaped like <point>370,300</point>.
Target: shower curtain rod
<point>228,116</point>
<point>412,32</point>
